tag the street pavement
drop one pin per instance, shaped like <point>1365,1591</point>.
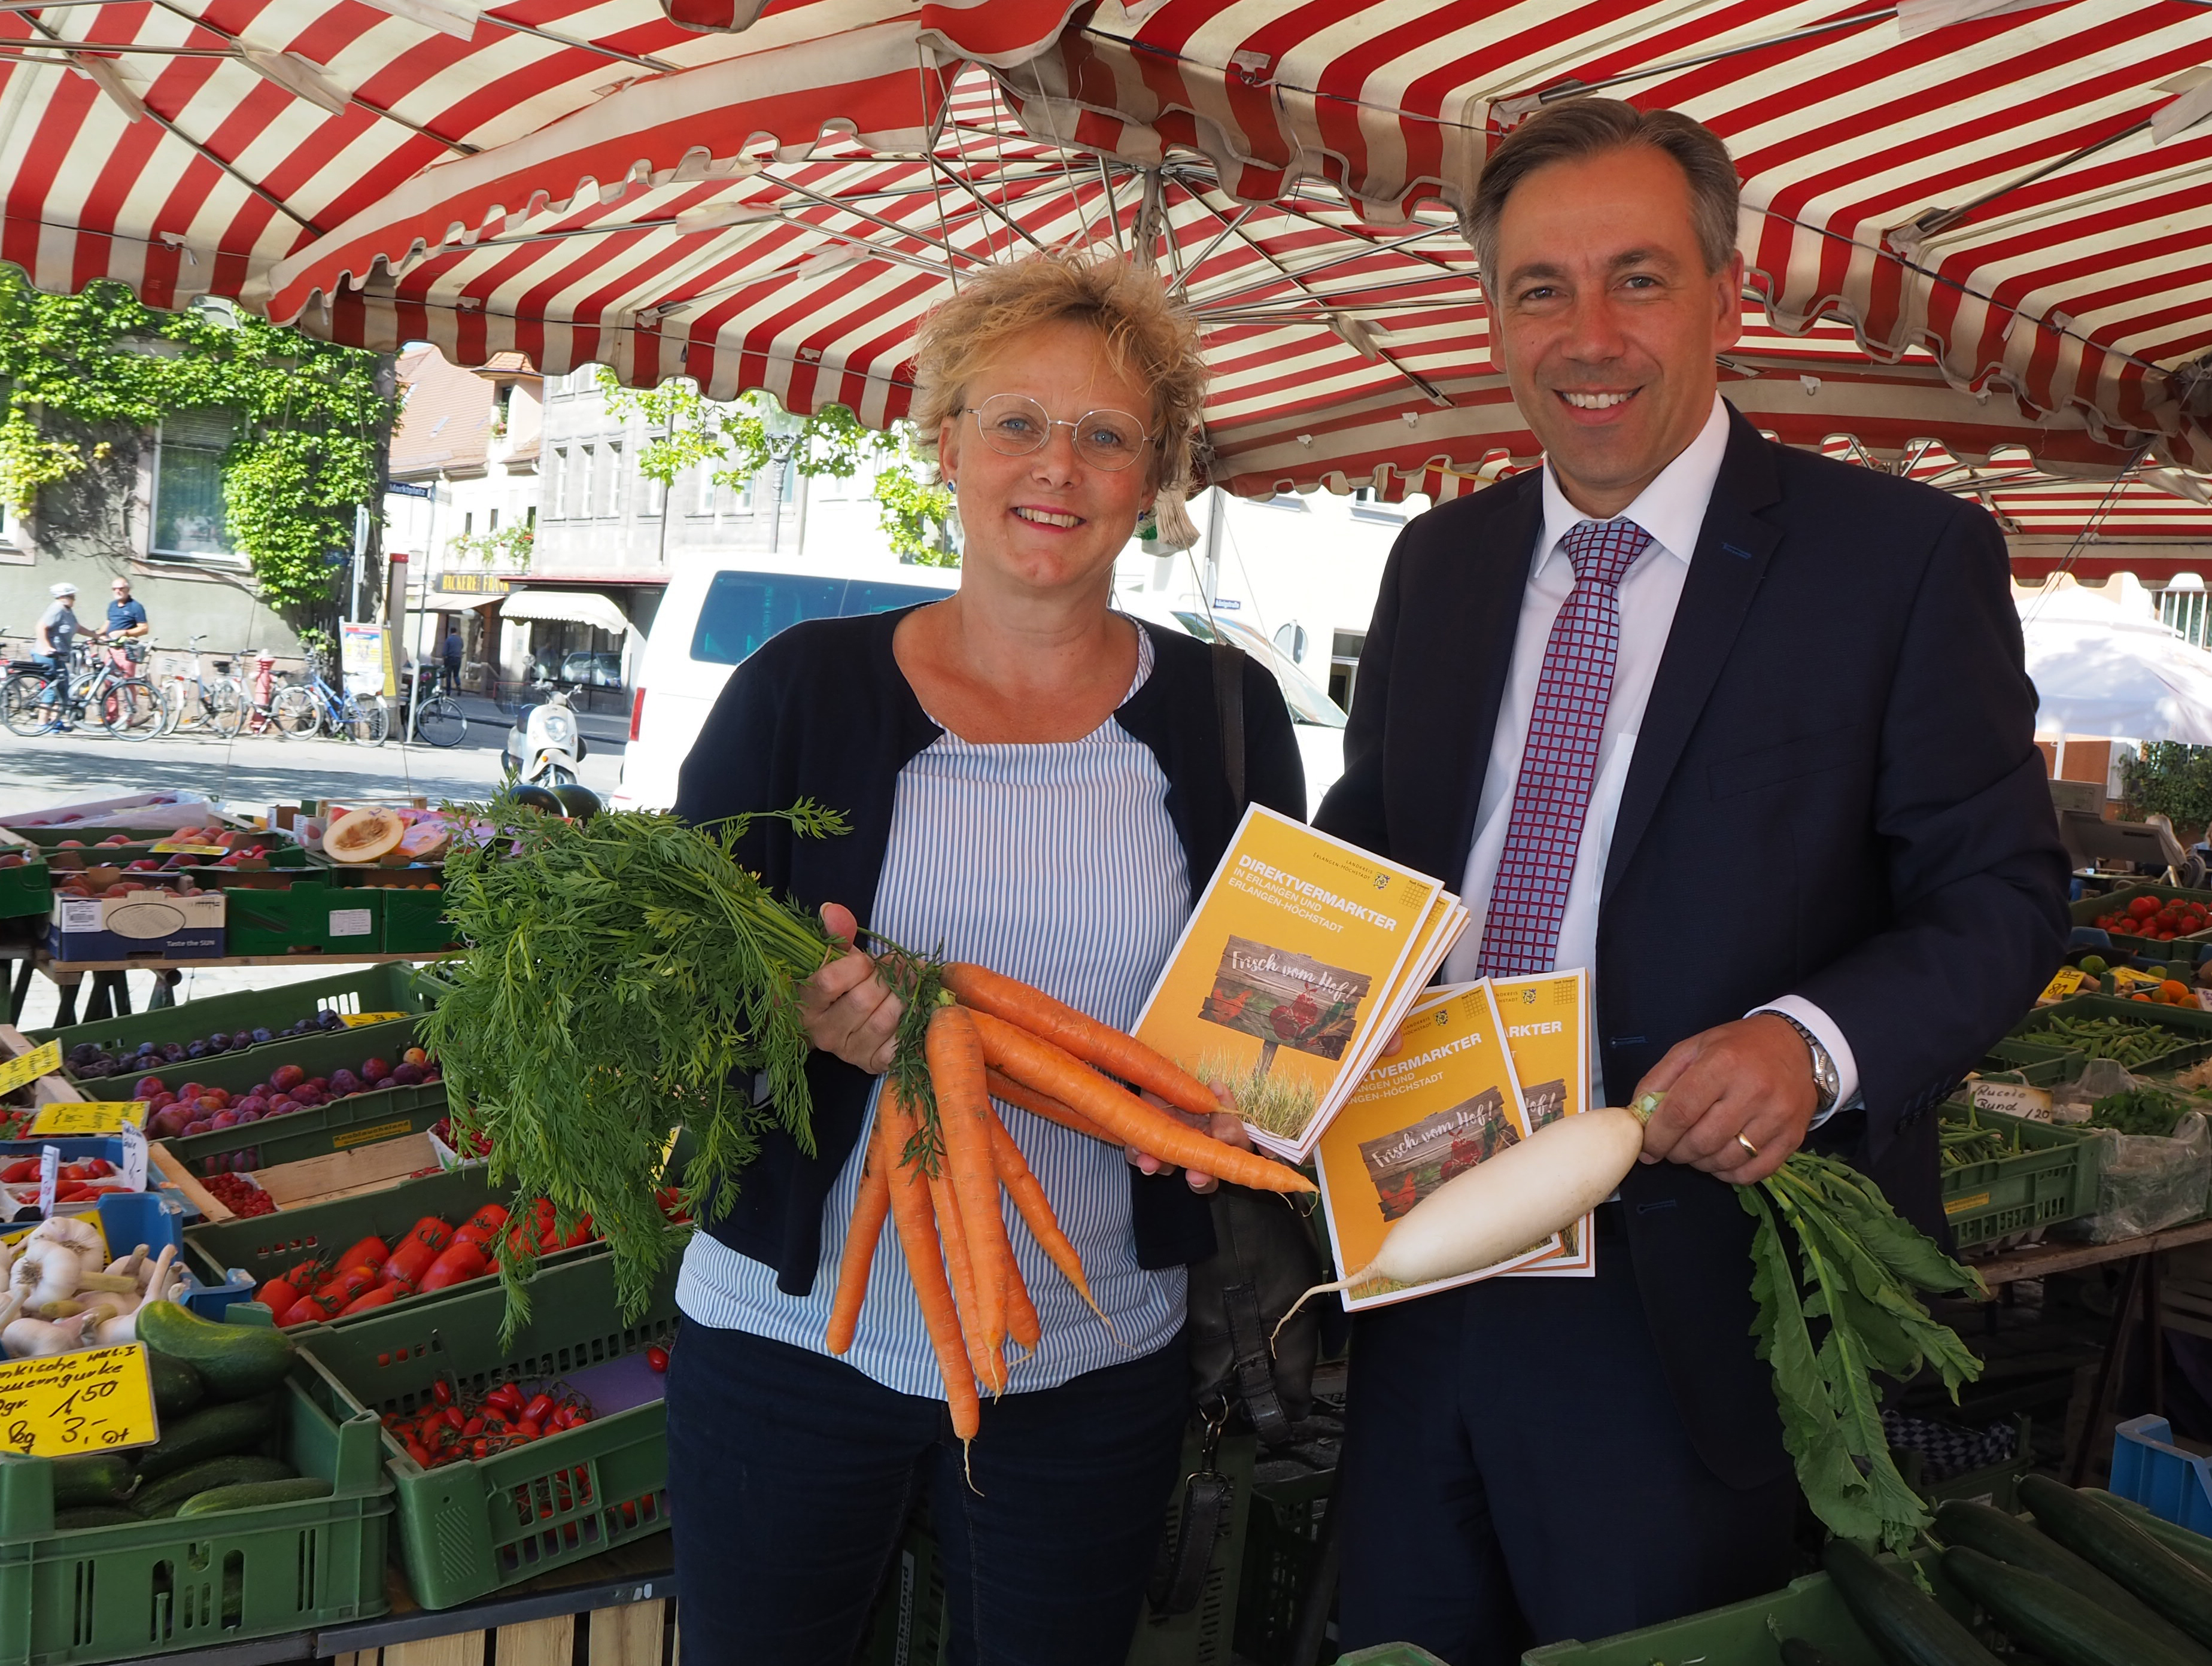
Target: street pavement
<point>254,771</point>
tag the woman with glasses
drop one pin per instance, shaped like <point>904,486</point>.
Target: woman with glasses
<point>1037,783</point>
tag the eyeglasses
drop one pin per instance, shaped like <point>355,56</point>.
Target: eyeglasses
<point>1015,425</point>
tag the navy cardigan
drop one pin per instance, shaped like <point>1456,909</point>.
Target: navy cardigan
<point>822,712</point>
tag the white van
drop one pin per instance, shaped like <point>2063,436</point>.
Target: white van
<point>711,618</point>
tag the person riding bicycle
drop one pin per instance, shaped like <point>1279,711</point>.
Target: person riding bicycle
<point>57,636</point>
<point>126,616</point>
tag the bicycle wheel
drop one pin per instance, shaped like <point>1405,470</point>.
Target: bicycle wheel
<point>225,709</point>
<point>22,704</point>
<point>129,709</point>
<point>440,722</point>
<point>295,713</point>
<point>367,719</point>
<point>175,704</point>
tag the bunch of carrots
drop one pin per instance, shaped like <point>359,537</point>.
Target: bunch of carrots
<point>939,1156</point>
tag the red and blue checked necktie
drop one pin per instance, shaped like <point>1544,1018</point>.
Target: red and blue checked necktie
<point>1558,760</point>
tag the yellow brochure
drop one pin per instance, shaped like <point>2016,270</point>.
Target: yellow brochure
<point>1302,956</point>
<point>1547,1021</point>
<point>1445,1101</point>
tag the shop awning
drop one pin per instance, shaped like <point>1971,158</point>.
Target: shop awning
<point>583,607</point>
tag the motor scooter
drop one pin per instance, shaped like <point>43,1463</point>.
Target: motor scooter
<point>543,746</point>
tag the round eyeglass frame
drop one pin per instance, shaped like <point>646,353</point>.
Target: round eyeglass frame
<point>1047,423</point>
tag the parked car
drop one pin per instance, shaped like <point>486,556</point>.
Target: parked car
<point>1319,719</point>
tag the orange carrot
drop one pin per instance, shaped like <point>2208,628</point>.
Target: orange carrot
<point>1040,1065</point>
<point>1021,1315</point>
<point>870,1206</point>
<point>917,1233</point>
<point>1004,1087</point>
<point>963,1116</point>
<point>1036,1211</point>
<point>1015,1002</point>
<point>983,1351</point>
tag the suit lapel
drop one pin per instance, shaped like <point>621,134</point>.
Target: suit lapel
<point>1733,548</point>
<point>1460,712</point>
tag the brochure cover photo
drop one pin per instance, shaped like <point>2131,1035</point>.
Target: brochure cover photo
<point>1446,1100</point>
<point>1299,963</point>
<point>1546,1020</point>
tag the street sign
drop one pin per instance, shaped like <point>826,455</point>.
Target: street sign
<point>406,489</point>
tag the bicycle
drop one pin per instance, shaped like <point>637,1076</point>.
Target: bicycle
<point>190,705</point>
<point>440,720</point>
<point>305,709</point>
<point>127,706</point>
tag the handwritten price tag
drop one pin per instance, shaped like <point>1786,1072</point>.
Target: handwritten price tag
<point>2014,1099</point>
<point>2069,980</point>
<point>92,1400</point>
<point>89,1116</point>
<point>41,1060</point>
<point>355,1020</point>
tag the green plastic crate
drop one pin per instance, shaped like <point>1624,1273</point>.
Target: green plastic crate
<point>312,917</point>
<point>262,1246</point>
<point>125,1593</point>
<point>2054,1179</point>
<point>909,1627</point>
<point>1282,1553</point>
<point>414,921</point>
<point>2034,1062</point>
<point>469,1528</point>
<point>397,988</point>
<point>2085,911</point>
<point>2190,1026</point>
<point>25,891</point>
<point>1996,1484</point>
<point>1743,1633</point>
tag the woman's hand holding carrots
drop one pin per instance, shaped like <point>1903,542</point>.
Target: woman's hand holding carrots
<point>848,1010</point>
<point>1225,1125</point>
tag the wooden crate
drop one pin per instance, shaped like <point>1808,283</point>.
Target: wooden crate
<point>634,1634</point>
<point>367,1168</point>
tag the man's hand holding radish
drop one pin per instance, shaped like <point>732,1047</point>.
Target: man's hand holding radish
<point>1738,1098</point>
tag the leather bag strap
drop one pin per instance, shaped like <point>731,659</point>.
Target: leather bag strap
<point>1229,702</point>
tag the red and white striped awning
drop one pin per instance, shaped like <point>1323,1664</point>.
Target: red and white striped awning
<point>1998,213</point>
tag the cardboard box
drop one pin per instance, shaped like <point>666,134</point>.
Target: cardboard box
<point>154,924</point>
<point>149,810</point>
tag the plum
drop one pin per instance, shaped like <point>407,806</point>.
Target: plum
<point>286,1077</point>
<point>326,1019</point>
<point>147,1087</point>
<point>174,1052</point>
<point>414,1055</point>
<point>197,1125</point>
<point>219,1041</point>
<point>223,1119</point>
<point>244,1116</point>
<point>198,1049</point>
<point>343,1082</point>
<point>167,1122</point>
<point>219,1097</point>
<point>374,1070</point>
<point>282,1105</point>
<point>406,1076</point>
<point>263,1035</point>
<point>319,1083</point>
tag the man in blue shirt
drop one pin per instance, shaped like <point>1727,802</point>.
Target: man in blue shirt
<point>126,619</point>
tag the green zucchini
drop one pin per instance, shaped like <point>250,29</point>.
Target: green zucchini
<point>2101,1534</point>
<point>1796,1651</point>
<point>163,1497</point>
<point>2192,1548</point>
<point>1983,1527</point>
<point>213,1431</point>
<point>93,1515</point>
<point>177,1387</point>
<point>1907,1626</point>
<point>247,1494</point>
<point>2057,1622</point>
<point>236,1361</point>
<point>92,1478</point>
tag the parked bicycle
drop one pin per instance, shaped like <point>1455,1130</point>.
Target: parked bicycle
<point>440,720</point>
<point>191,705</point>
<point>305,709</point>
<point>106,692</point>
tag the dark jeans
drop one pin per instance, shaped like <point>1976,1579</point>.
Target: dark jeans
<point>1515,1473</point>
<point>790,1476</point>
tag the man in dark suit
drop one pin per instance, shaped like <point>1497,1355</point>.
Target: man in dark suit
<point>1747,733</point>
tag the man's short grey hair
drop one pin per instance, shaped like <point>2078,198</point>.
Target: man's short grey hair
<point>1581,128</point>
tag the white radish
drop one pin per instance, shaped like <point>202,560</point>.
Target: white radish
<point>1508,1202</point>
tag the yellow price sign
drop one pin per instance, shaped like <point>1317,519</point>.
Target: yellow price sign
<point>41,1060</point>
<point>83,1117</point>
<point>171,847</point>
<point>355,1020</point>
<point>2069,980</point>
<point>89,1400</point>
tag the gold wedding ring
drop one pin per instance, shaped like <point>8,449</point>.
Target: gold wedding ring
<point>1746,1144</point>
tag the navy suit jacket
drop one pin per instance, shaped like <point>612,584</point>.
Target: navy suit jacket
<point>1835,793</point>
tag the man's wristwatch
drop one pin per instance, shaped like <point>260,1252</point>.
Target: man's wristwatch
<point>1826,1084</point>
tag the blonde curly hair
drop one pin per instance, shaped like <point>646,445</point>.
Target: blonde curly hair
<point>1149,337</point>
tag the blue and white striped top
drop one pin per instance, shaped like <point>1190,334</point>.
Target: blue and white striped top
<point>1055,863</point>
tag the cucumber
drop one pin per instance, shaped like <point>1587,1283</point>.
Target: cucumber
<point>2059,1624</point>
<point>2101,1534</point>
<point>1796,1651</point>
<point>236,1361</point>
<point>250,1493</point>
<point>93,1515</point>
<point>2193,1548</point>
<point>165,1497</point>
<point>92,1478</point>
<point>214,1431</point>
<point>177,1387</point>
<point>1906,1624</point>
<point>1982,1527</point>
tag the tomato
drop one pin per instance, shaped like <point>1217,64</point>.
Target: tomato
<point>442,1392</point>
<point>369,1252</point>
<point>381,1295</point>
<point>461,1262</point>
<point>488,1220</point>
<point>420,1453</point>
<point>307,1310</point>
<point>342,1287</point>
<point>2143,907</point>
<point>454,1417</point>
<point>277,1296</point>
<point>657,1356</point>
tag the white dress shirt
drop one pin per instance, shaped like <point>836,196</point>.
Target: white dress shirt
<point>1672,508</point>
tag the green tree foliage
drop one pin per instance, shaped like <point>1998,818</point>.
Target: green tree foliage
<point>739,438</point>
<point>2172,780</point>
<point>508,548</point>
<point>84,373</point>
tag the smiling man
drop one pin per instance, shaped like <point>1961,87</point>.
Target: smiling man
<point>1747,733</point>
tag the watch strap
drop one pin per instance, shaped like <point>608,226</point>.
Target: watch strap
<point>1826,1078</point>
